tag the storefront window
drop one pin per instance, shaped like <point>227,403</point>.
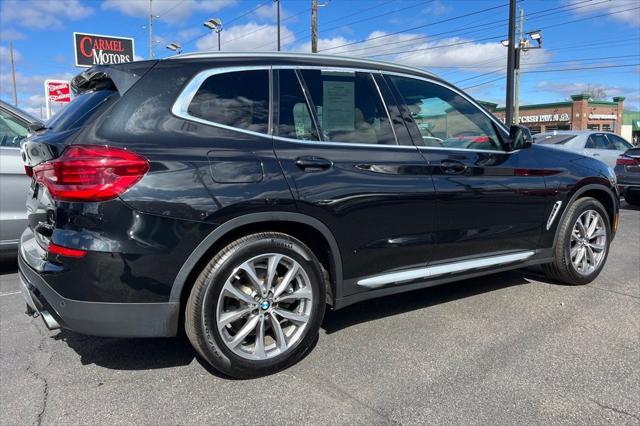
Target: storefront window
<point>606,127</point>
<point>593,127</point>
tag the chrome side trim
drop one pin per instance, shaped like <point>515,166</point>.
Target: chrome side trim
<point>554,212</point>
<point>445,268</point>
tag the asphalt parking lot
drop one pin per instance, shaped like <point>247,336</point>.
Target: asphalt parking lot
<point>506,348</point>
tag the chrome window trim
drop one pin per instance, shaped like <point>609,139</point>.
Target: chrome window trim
<point>384,104</point>
<point>454,89</point>
<point>180,107</point>
<point>181,104</point>
<point>426,272</point>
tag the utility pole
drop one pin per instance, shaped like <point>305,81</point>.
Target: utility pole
<point>150,29</point>
<point>511,59</point>
<point>278,13</point>
<point>516,101</point>
<point>13,75</point>
<point>314,26</point>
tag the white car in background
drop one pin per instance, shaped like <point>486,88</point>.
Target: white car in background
<point>604,146</point>
<point>14,183</point>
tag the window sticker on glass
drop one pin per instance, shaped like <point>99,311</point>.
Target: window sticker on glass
<point>338,94</point>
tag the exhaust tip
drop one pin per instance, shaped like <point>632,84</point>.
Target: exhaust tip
<point>49,320</point>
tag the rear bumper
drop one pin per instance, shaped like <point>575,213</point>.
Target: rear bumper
<point>99,318</point>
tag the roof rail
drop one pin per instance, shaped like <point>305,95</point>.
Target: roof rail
<point>288,55</point>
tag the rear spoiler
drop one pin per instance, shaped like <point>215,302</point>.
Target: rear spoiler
<point>120,77</point>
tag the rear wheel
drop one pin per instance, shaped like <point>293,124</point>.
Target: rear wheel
<point>257,305</point>
<point>632,197</point>
<point>583,243</point>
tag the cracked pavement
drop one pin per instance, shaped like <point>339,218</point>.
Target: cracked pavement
<point>507,348</point>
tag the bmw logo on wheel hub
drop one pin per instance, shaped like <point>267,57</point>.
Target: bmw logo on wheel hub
<point>264,305</point>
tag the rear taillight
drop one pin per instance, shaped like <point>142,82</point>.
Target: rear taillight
<point>65,251</point>
<point>91,173</point>
<point>623,160</point>
<point>28,170</point>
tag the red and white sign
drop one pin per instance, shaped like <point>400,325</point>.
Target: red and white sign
<point>57,91</point>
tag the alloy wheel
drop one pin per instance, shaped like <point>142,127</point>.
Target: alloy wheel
<point>264,306</point>
<point>588,242</point>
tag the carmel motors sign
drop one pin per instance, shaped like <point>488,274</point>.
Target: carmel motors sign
<point>96,49</point>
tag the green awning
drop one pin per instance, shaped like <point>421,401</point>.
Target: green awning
<point>635,125</point>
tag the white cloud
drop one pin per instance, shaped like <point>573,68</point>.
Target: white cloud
<point>421,52</point>
<point>8,34</point>
<point>168,10</point>
<point>42,14</point>
<point>247,37</point>
<point>5,57</point>
<point>567,89</point>
<point>630,17</point>
<point>28,84</point>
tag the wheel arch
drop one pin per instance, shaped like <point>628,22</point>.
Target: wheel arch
<point>600,192</point>
<point>294,224</point>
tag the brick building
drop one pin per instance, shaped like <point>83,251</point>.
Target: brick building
<point>578,114</point>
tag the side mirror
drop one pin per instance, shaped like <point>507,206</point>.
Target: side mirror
<point>519,138</point>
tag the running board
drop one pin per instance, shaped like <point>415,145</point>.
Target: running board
<point>445,268</point>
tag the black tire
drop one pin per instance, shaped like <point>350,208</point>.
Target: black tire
<point>562,269</point>
<point>200,312</point>
<point>632,197</point>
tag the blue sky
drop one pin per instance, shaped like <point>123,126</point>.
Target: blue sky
<point>457,39</point>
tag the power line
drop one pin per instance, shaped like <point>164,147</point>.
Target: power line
<point>262,27</point>
<point>481,25</point>
<point>556,70</point>
<point>419,26</point>
<point>248,12</point>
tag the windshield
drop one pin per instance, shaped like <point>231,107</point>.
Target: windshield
<point>78,111</point>
<point>553,139</point>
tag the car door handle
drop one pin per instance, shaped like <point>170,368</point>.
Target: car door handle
<point>595,154</point>
<point>452,167</point>
<point>313,164</point>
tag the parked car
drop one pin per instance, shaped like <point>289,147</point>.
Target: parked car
<point>628,174</point>
<point>604,146</point>
<point>13,182</point>
<point>236,195</point>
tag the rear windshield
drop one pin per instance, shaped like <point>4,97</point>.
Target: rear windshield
<point>79,110</point>
<point>553,139</point>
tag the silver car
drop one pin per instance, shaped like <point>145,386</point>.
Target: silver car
<point>604,146</point>
<point>14,183</point>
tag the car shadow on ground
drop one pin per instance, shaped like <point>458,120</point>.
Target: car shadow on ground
<point>374,309</point>
<point>626,206</point>
<point>149,354</point>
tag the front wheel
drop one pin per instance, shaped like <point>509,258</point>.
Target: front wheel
<point>257,305</point>
<point>582,245</point>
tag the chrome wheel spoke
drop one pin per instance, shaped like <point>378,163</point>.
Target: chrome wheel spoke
<point>574,251</point>
<point>303,293</point>
<point>291,316</point>
<point>597,247</point>
<point>244,331</point>
<point>248,268</point>
<point>597,233</point>
<point>580,227</point>
<point>229,317</point>
<point>237,294</point>
<point>259,351</point>
<point>579,255</point>
<point>286,281</point>
<point>272,269</point>
<point>281,339</point>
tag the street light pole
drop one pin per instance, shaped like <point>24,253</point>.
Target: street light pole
<point>13,75</point>
<point>516,115</point>
<point>150,29</point>
<point>511,57</point>
<point>278,15</point>
<point>314,26</point>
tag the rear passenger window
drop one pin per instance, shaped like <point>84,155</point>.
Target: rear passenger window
<point>348,107</point>
<point>598,141</point>
<point>236,99</point>
<point>295,120</point>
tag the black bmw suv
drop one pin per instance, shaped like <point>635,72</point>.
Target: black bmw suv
<point>235,196</point>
